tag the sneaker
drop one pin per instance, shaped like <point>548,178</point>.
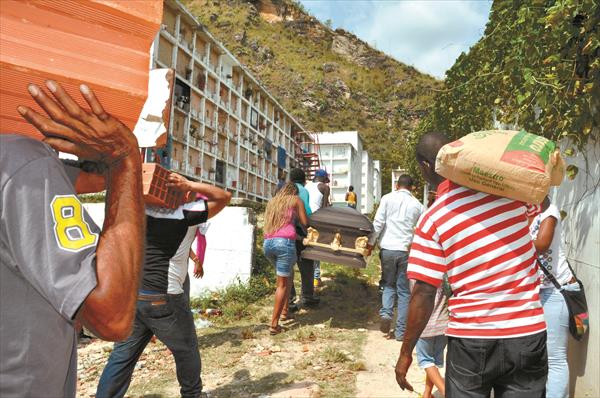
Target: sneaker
<point>384,325</point>
<point>293,308</point>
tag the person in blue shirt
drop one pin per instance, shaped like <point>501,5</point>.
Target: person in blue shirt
<point>298,177</point>
<point>306,267</point>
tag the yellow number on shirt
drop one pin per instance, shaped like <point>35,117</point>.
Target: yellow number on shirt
<point>71,231</point>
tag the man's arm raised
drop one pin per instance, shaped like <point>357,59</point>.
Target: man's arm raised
<point>95,135</point>
<point>216,197</point>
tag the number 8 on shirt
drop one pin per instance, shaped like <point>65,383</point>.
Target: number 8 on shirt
<point>71,231</point>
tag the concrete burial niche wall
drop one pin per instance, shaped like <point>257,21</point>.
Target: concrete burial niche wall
<point>580,200</point>
<point>230,248</point>
<point>229,253</point>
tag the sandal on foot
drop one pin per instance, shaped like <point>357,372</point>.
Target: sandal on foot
<point>275,330</point>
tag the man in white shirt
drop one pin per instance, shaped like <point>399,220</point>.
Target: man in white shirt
<point>318,190</point>
<point>394,225</point>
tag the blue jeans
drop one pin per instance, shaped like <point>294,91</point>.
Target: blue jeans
<point>282,253</point>
<point>171,320</point>
<point>395,285</point>
<point>556,315</point>
<point>430,351</point>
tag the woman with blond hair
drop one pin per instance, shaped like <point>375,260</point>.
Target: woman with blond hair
<point>280,244</point>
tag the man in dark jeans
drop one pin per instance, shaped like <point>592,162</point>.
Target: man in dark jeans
<point>496,332</point>
<point>167,316</point>
<point>306,267</point>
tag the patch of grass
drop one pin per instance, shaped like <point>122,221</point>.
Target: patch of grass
<point>247,333</point>
<point>305,334</point>
<point>264,318</point>
<point>357,366</point>
<point>303,364</point>
<point>333,355</point>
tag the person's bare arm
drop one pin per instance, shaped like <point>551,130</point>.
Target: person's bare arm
<point>324,189</point>
<point>420,307</point>
<point>217,198</point>
<point>109,308</point>
<point>545,235</point>
<point>198,268</point>
<point>301,211</point>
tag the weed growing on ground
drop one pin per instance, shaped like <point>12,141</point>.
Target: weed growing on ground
<point>357,366</point>
<point>305,334</point>
<point>303,364</point>
<point>247,333</point>
<point>333,355</point>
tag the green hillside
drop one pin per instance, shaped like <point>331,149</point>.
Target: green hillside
<point>328,79</point>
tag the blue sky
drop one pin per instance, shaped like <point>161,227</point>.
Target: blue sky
<point>427,34</point>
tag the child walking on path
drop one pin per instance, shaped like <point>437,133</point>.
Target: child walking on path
<point>280,245</point>
<point>430,346</point>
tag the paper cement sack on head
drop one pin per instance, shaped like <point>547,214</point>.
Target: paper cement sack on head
<point>512,164</point>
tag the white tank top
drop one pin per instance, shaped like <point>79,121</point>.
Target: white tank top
<point>315,197</point>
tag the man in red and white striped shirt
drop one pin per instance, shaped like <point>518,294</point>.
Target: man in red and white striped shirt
<point>496,331</point>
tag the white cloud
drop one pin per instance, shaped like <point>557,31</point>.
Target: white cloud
<point>428,34</point>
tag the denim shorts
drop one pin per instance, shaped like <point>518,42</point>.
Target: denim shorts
<point>282,253</point>
<point>430,351</point>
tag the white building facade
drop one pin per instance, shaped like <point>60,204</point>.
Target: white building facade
<point>376,181</point>
<point>396,173</point>
<point>367,199</point>
<point>225,127</point>
<point>343,157</point>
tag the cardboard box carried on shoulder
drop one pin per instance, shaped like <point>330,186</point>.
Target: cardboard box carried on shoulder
<point>512,164</point>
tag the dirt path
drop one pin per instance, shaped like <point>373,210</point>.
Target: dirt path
<point>332,351</point>
<point>378,381</point>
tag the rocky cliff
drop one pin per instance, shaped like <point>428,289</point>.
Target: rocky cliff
<point>329,79</point>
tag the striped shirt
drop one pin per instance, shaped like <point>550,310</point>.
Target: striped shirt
<point>438,321</point>
<point>482,243</point>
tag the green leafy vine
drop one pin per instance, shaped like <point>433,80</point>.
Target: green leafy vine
<point>536,67</point>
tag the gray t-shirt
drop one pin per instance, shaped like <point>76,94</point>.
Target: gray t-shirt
<point>47,269</point>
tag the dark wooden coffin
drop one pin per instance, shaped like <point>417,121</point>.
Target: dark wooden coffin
<point>338,235</point>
